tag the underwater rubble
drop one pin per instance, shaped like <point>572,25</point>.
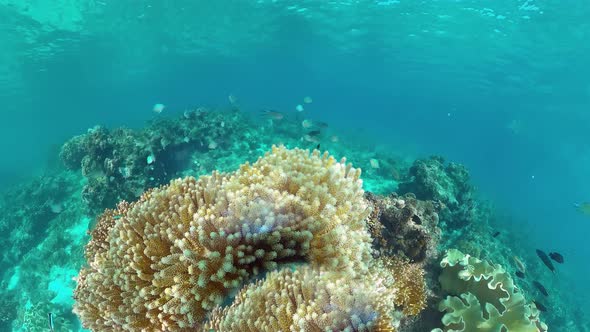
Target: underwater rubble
<point>416,240</point>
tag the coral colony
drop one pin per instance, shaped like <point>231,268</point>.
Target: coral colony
<point>200,223</point>
<point>297,221</point>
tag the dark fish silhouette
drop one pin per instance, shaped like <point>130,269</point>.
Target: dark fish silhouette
<point>543,256</point>
<point>556,257</point>
<point>50,321</point>
<point>540,306</point>
<point>540,288</point>
<point>519,274</point>
<point>314,133</point>
<point>496,234</point>
<point>318,146</point>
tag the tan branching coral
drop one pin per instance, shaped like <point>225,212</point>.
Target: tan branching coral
<point>410,286</point>
<point>164,262</point>
<point>309,300</point>
<point>99,235</point>
<point>483,297</point>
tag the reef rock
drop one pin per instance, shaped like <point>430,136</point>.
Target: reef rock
<point>122,163</point>
<point>449,183</point>
<point>404,226</point>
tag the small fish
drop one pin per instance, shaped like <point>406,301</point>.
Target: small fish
<point>519,274</point>
<point>50,320</point>
<point>56,208</point>
<point>540,287</point>
<point>374,163</point>
<point>275,115</point>
<point>519,264</point>
<point>314,133</point>
<point>158,108</point>
<point>495,234</point>
<point>311,139</point>
<point>318,146</point>
<point>334,139</point>
<point>543,256</point>
<point>307,100</point>
<point>299,108</point>
<point>539,306</point>
<point>321,124</point>
<point>396,175</point>
<point>583,208</point>
<point>306,124</point>
<point>232,99</point>
<point>556,257</point>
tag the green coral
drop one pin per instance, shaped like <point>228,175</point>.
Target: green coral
<point>483,297</point>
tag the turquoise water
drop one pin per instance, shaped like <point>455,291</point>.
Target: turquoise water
<point>502,87</point>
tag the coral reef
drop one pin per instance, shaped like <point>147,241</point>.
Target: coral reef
<point>121,164</point>
<point>35,319</point>
<point>47,221</point>
<point>26,225</point>
<point>37,218</point>
<point>307,299</point>
<point>7,310</point>
<point>464,219</point>
<point>405,234</point>
<point>434,179</point>
<point>170,258</point>
<point>483,297</point>
<point>410,287</point>
<point>404,226</point>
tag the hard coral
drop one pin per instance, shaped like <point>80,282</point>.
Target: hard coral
<point>308,299</point>
<point>449,183</point>
<point>170,258</point>
<point>99,242</point>
<point>483,297</point>
<point>410,287</point>
<point>113,163</point>
<point>122,163</point>
<point>28,210</point>
<point>72,152</point>
<point>433,179</point>
<point>404,225</point>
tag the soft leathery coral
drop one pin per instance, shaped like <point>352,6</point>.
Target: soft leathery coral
<point>483,297</point>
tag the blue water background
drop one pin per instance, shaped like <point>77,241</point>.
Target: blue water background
<point>456,97</point>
